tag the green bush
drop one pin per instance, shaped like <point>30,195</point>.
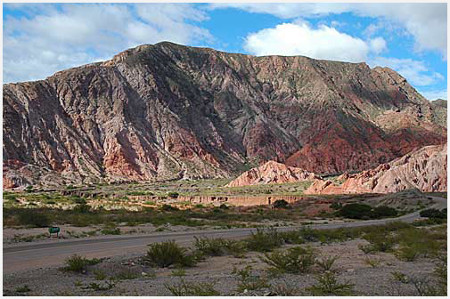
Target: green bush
<point>356,211</point>
<point>434,213</point>
<point>173,194</point>
<point>249,281</point>
<point>327,284</point>
<point>264,240</point>
<point>281,204</point>
<point>380,241</point>
<point>168,208</point>
<point>169,253</point>
<point>192,289</point>
<point>82,208</point>
<point>327,263</point>
<point>294,260</point>
<point>211,247</point>
<point>219,246</point>
<point>292,237</point>
<point>383,212</point>
<point>33,218</point>
<point>77,263</point>
<point>336,205</point>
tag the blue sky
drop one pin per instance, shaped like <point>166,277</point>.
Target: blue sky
<point>40,39</point>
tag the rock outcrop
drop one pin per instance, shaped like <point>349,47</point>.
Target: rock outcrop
<point>424,169</point>
<point>167,111</point>
<point>272,173</point>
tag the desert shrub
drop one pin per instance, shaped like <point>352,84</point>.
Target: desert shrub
<point>309,235</point>
<point>372,262</point>
<point>82,208</point>
<point>281,204</point>
<point>327,284</point>
<point>327,263</point>
<point>284,289</point>
<point>127,273</point>
<point>79,200</point>
<point>248,280</point>
<point>294,260</point>
<point>173,194</point>
<point>383,212</point>
<point>292,237</point>
<point>416,243</point>
<point>184,288</point>
<point>219,246</point>
<point>380,241</point>
<point>111,231</point>
<point>211,247</point>
<point>336,205</point>
<point>434,213</point>
<point>77,263</point>
<point>224,207</point>
<point>400,277</point>
<point>264,240</point>
<point>168,208</point>
<point>33,218</point>
<point>169,253</point>
<point>23,289</point>
<point>428,221</point>
<point>356,211</point>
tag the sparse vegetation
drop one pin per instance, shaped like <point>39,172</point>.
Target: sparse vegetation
<point>184,288</point>
<point>169,253</point>
<point>294,260</point>
<point>78,264</point>
<point>327,263</point>
<point>327,284</point>
<point>248,281</point>
<point>264,240</point>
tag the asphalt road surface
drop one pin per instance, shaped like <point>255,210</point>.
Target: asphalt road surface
<point>32,256</point>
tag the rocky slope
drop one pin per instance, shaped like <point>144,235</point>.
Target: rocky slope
<point>424,169</point>
<point>272,173</point>
<point>167,111</point>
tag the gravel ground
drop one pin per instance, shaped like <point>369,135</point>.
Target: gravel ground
<point>351,267</point>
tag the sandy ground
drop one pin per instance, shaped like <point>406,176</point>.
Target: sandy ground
<point>351,266</point>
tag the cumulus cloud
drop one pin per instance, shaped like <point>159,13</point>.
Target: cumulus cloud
<point>49,38</point>
<point>415,71</point>
<point>426,22</point>
<point>321,43</point>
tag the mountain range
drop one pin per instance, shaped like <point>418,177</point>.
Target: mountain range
<point>167,111</point>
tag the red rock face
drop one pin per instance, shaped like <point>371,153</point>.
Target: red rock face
<point>272,173</point>
<point>424,169</point>
<point>166,111</point>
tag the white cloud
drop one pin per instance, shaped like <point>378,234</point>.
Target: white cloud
<point>434,94</point>
<point>416,72</point>
<point>321,43</point>
<point>50,39</point>
<point>378,45</point>
<point>426,22</point>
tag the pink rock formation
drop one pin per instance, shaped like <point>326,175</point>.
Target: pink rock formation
<point>424,169</point>
<point>272,173</point>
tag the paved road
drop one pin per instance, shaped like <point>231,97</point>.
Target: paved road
<point>31,256</point>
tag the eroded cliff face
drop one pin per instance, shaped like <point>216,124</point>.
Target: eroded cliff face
<point>272,173</point>
<point>424,169</point>
<point>167,111</point>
